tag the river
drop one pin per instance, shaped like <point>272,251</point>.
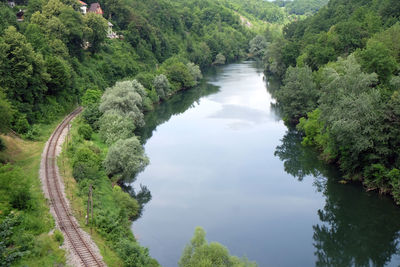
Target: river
<point>221,158</point>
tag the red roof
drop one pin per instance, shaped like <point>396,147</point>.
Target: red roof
<point>95,8</point>
<point>82,3</point>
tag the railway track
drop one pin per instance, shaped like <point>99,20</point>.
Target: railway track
<point>65,220</point>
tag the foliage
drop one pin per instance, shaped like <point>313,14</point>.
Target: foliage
<point>127,98</point>
<point>162,86</point>
<point>114,127</point>
<point>97,30</point>
<point>59,237</point>
<point>85,131</point>
<point>300,91</point>
<point>128,204</point>
<point>6,113</point>
<point>125,159</point>
<point>113,208</point>
<point>91,97</point>
<point>352,114</point>
<point>219,59</point>
<point>301,7</point>
<point>195,71</point>
<point>257,46</point>
<point>200,253</point>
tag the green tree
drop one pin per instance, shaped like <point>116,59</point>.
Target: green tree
<point>199,253</point>
<point>125,159</point>
<point>257,46</point>
<point>195,71</point>
<point>6,113</point>
<point>378,58</point>
<point>91,97</point>
<point>162,86</point>
<point>299,94</point>
<point>22,72</point>
<point>113,126</point>
<point>127,98</point>
<point>97,30</point>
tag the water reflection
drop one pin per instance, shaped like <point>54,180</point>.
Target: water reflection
<point>177,104</point>
<point>356,228</point>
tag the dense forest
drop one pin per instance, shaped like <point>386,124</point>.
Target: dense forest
<point>340,72</point>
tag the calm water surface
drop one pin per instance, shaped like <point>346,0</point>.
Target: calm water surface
<point>221,158</point>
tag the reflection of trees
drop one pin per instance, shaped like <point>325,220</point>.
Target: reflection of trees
<point>177,104</point>
<point>298,161</point>
<point>357,228</point>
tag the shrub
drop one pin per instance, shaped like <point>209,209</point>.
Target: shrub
<point>21,125</point>
<point>91,115</point>
<point>85,131</point>
<point>33,133</point>
<point>59,237</point>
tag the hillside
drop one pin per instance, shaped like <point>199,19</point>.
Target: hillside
<point>56,55</point>
<point>340,71</point>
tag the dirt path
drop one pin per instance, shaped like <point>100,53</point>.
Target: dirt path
<point>81,250</point>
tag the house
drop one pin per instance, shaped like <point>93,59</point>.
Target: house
<point>95,8</point>
<point>110,33</point>
<point>83,7</point>
<point>20,15</point>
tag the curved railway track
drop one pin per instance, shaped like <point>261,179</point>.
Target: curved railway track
<point>65,220</point>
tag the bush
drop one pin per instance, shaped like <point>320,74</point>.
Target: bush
<point>91,115</point>
<point>85,164</point>
<point>33,133</point>
<point>21,125</point>
<point>128,204</point>
<point>85,131</point>
<point>59,237</point>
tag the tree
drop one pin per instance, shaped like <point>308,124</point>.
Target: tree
<point>97,30</point>
<point>377,58</point>
<point>195,71</point>
<point>219,59</point>
<point>162,86</point>
<point>257,46</point>
<point>199,253</point>
<point>6,113</point>
<point>113,126</point>
<point>22,72</point>
<point>299,94</point>
<point>128,204</point>
<point>127,98</point>
<point>125,159</point>
<point>91,97</point>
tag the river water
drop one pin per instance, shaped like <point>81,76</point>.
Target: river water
<point>221,158</point>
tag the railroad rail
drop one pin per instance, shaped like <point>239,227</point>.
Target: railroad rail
<point>65,220</point>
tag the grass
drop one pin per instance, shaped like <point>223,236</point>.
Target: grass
<point>24,159</point>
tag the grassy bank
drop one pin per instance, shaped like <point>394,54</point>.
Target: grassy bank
<point>26,223</point>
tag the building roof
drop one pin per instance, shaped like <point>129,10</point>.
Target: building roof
<point>82,3</point>
<point>95,8</point>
